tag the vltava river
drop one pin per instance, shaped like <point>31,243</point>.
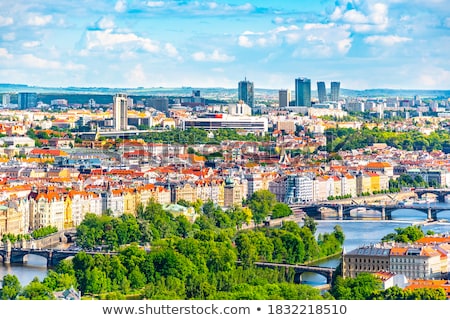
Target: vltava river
<point>357,233</point>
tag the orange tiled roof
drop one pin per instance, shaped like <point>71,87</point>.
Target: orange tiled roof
<point>398,251</point>
<point>430,240</point>
<point>378,165</point>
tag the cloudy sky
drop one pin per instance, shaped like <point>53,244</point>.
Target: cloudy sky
<point>138,43</point>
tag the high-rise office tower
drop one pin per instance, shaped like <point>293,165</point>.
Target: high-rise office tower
<point>27,100</point>
<point>246,93</point>
<point>284,97</point>
<point>321,91</point>
<point>6,99</point>
<point>303,92</point>
<point>335,87</point>
<point>120,111</point>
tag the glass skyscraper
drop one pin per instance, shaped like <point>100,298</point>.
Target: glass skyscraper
<point>27,100</point>
<point>246,93</point>
<point>335,87</point>
<point>284,97</point>
<point>303,92</point>
<point>321,91</point>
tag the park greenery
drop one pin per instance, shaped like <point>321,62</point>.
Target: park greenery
<point>367,286</point>
<point>349,139</point>
<point>193,136</point>
<point>156,255</point>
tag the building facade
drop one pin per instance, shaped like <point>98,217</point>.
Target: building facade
<point>335,90</point>
<point>120,112</point>
<point>284,98</point>
<point>321,91</point>
<point>246,93</point>
<point>303,92</point>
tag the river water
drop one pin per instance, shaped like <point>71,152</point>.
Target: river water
<point>358,231</point>
<point>362,230</point>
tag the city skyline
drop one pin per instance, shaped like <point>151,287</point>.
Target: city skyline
<point>363,44</point>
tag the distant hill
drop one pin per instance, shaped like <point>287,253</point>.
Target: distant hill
<point>217,93</point>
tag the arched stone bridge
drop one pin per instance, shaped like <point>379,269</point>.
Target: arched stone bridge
<point>300,269</point>
<point>19,255</point>
<point>440,193</point>
<point>343,210</point>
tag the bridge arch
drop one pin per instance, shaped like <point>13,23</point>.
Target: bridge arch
<point>443,214</point>
<point>298,278</point>
<point>21,256</point>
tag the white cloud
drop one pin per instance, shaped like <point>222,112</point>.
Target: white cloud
<point>4,54</point>
<point>432,78</point>
<point>10,36</point>
<point>344,45</point>
<point>368,17</point>
<point>136,76</point>
<point>245,7</point>
<point>31,44</point>
<point>313,39</point>
<point>121,6</point>
<point>353,16</point>
<point>212,5</point>
<point>108,40</point>
<point>278,20</point>
<point>389,40</point>
<point>200,7</point>
<point>337,14</point>
<point>39,21</point>
<point>215,56</point>
<point>31,61</point>
<point>379,15</point>
<point>245,42</point>
<point>171,50</point>
<point>155,4</point>
<point>105,23</point>
<point>6,21</point>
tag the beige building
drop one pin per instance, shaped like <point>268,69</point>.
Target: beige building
<point>365,259</point>
<point>47,209</point>
<point>412,261</point>
<point>11,221</point>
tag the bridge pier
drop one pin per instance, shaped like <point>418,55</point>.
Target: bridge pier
<point>383,213</point>
<point>341,211</point>
<point>50,259</point>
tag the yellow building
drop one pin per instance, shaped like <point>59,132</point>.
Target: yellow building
<point>185,191</point>
<point>68,221</point>
<point>129,201</point>
<point>374,182</point>
<point>10,221</point>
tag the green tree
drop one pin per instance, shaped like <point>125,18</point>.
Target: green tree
<point>363,287</point>
<point>10,287</point>
<point>281,210</point>
<point>405,235</point>
<point>310,223</point>
<point>36,290</point>
<point>261,203</point>
<point>247,252</point>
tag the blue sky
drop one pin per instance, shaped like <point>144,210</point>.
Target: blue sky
<point>151,43</point>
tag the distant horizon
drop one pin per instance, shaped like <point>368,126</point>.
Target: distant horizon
<point>203,87</point>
